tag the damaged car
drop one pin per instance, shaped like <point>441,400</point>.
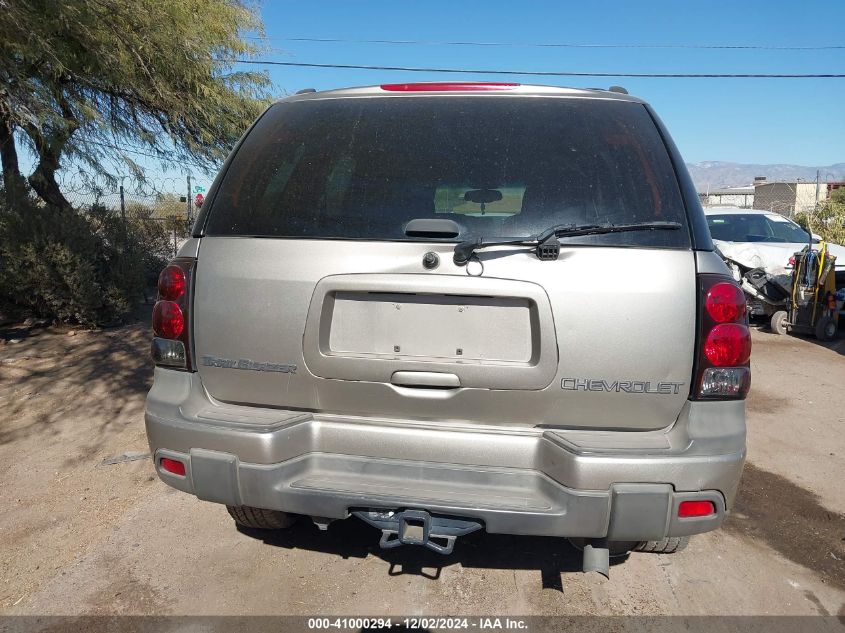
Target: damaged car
<point>759,248</point>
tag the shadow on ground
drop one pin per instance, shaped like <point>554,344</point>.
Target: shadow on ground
<point>57,375</point>
<point>352,538</point>
<point>773,510</point>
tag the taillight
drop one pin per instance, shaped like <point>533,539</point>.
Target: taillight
<point>725,302</point>
<point>728,344</point>
<point>724,341</point>
<point>168,320</point>
<point>171,315</point>
<point>172,283</point>
<point>449,86</point>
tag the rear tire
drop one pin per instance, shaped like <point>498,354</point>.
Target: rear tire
<point>261,519</point>
<point>668,545</point>
<point>778,322</point>
<point>825,329</point>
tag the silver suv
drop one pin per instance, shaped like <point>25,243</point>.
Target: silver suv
<point>445,307</point>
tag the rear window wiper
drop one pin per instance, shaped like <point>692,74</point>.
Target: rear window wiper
<point>546,242</point>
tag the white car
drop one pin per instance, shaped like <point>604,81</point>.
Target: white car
<point>760,239</point>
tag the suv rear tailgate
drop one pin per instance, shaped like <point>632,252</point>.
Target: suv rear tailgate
<point>601,338</point>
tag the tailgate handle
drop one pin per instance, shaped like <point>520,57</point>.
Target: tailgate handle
<point>433,227</point>
<point>426,379</point>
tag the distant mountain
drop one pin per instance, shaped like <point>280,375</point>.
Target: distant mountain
<point>716,174</point>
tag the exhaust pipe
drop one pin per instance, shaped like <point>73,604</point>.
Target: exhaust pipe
<point>597,557</point>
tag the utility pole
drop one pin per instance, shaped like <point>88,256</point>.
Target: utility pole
<point>123,211</point>
<point>817,187</point>
<point>189,201</point>
<point>122,203</point>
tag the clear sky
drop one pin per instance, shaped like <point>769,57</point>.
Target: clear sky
<point>799,121</point>
<point>793,121</point>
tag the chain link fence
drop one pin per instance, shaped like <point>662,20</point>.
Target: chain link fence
<point>781,207</point>
<point>158,204</point>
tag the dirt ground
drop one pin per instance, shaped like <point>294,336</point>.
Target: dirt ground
<point>81,537</point>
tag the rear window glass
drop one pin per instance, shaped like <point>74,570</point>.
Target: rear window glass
<point>755,227</point>
<point>362,168</point>
<point>502,202</point>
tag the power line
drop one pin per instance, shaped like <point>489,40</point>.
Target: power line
<point>127,150</point>
<point>549,73</point>
<point>337,40</point>
<point>163,157</point>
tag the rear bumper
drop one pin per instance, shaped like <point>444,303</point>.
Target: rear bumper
<point>619,485</point>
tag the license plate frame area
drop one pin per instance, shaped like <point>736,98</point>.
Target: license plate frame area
<point>491,333</point>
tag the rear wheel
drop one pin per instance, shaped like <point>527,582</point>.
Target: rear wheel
<point>778,322</point>
<point>825,329</point>
<point>259,518</point>
<point>668,545</point>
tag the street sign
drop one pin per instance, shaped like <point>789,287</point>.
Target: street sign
<point>199,189</point>
<point>198,200</point>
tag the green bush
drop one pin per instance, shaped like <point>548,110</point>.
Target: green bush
<point>827,221</point>
<point>89,269</point>
<point>148,238</point>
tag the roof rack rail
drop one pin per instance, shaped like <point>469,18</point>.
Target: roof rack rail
<point>305,91</point>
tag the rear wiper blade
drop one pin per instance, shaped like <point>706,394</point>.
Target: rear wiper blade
<point>546,242</point>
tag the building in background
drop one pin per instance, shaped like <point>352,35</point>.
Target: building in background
<point>787,198</point>
<point>833,186</point>
<point>791,197</point>
<point>742,197</point>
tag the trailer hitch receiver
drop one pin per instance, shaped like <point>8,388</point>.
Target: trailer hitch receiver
<point>417,527</point>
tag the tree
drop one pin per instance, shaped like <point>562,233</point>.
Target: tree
<point>87,80</point>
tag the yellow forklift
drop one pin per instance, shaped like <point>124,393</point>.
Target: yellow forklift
<point>811,306</point>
